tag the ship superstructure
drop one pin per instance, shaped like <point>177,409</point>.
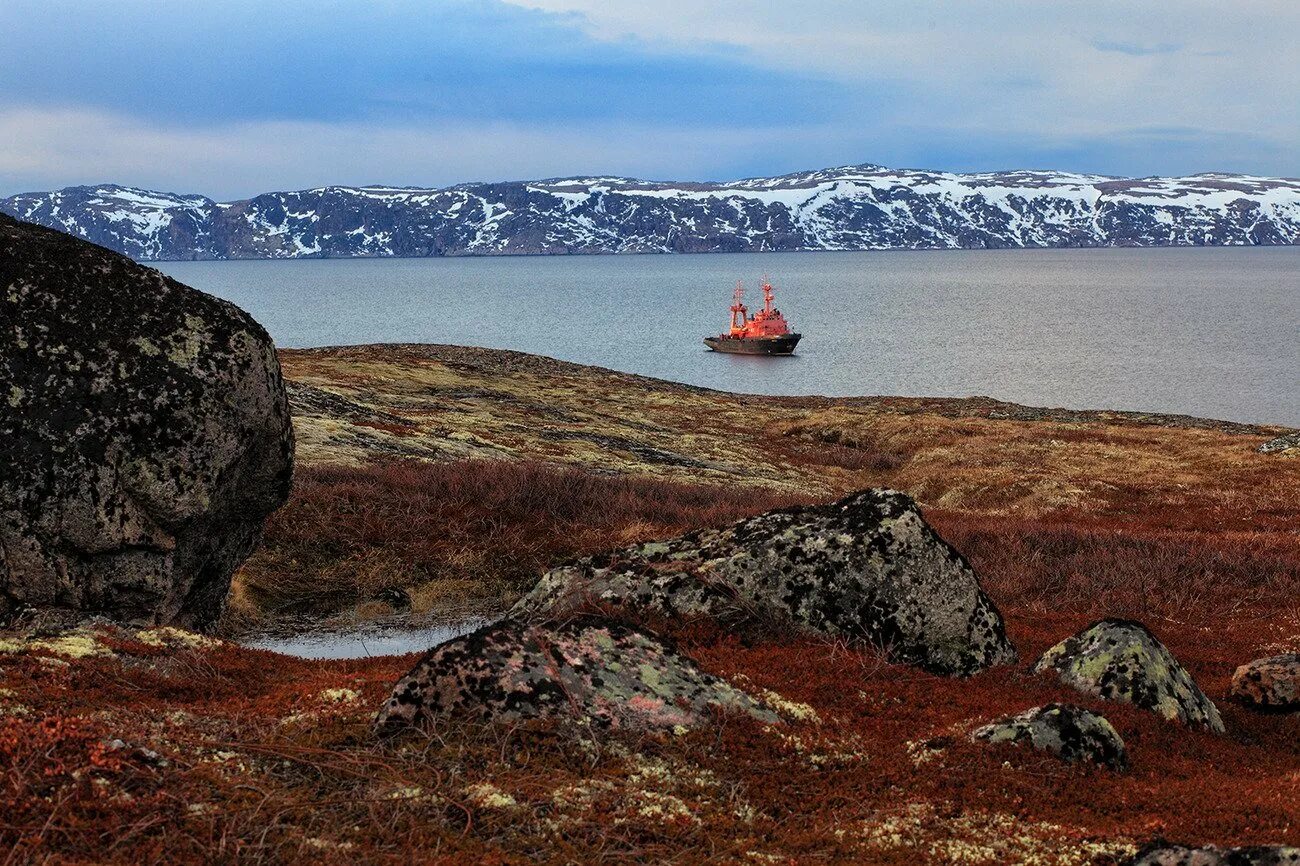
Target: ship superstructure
<point>765,333</point>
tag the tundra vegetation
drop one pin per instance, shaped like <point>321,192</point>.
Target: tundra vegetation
<point>458,476</point>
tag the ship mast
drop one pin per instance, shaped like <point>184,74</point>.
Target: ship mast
<point>767,295</point>
<point>739,310</point>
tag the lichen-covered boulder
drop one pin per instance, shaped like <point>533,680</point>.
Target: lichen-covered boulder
<point>1288,443</point>
<point>866,567</point>
<point>1272,683</point>
<point>586,669</point>
<point>146,436</point>
<point>1120,660</point>
<point>1164,854</point>
<point>1066,731</point>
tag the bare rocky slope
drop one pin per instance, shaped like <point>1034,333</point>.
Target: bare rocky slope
<point>848,208</point>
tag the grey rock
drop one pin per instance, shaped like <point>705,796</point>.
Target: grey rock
<point>866,567</point>
<point>846,208</point>
<point>1287,442</point>
<point>1271,683</point>
<point>146,433</point>
<point>1120,660</point>
<point>1066,731</point>
<point>1163,854</point>
<point>586,669</point>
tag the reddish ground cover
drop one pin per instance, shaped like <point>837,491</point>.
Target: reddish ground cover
<point>233,755</point>
<point>264,757</point>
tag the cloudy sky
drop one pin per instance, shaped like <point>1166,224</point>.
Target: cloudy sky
<point>236,97</point>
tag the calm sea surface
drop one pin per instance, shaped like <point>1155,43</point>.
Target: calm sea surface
<point>1210,332</point>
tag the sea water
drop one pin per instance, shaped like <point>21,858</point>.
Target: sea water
<point>1213,332</point>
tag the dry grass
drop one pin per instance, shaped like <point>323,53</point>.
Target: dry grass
<point>1123,568</point>
<point>476,529</point>
<point>357,404</point>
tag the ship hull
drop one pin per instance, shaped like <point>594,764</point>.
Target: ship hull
<point>782,345</point>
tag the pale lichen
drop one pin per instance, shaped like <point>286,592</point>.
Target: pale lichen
<point>485,795</point>
<point>73,645</point>
<point>982,838</point>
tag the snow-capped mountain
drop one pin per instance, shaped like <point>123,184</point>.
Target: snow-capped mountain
<point>851,208</point>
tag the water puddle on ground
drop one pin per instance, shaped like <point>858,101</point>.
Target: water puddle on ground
<point>363,641</point>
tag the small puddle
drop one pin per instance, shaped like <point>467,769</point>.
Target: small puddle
<point>363,641</point>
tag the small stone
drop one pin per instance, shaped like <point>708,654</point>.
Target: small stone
<point>1271,683</point>
<point>396,597</point>
<point>149,756</point>
<point>588,670</point>
<point>1066,731</point>
<point>1120,660</point>
<point>1163,854</point>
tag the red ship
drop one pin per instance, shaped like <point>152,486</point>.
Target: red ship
<point>767,333</point>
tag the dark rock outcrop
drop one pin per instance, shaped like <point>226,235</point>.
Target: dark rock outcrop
<point>1163,854</point>
<point>1068,732</point>
<point>146,436</point>
<point>586,669</point>
<point>1121,660</point>
<point>866,567</point>
<point>1271,683</point>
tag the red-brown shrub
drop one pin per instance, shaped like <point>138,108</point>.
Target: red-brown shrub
<point>1125,569</point>
<point>348,532</point>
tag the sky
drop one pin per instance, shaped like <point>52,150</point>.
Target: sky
<point>234,98</point>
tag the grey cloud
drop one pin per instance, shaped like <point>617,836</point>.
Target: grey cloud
<point>1135,49</point>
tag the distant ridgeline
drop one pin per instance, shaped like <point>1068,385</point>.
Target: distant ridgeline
<point>852,208</point>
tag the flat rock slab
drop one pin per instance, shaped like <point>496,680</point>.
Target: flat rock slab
<point>1178,855</point>
<point>587,669</point>
<point>146,436</point>
<point>1120,660</point>
<point>866,567</point>
<point>1272,683</point>
<point>1066,731</point>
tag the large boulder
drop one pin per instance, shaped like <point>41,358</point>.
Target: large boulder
<point>866,567</point>
<point>1068,732</point>
<point>1121,660</point>
<point>586,669</point>
<point>146,436</point>
<point>1272,683</point>
<point>1163,854</point>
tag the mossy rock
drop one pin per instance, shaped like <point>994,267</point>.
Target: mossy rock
<point>589,670</point>
<point>1271,683</point>
<point>1066,731</point>
<point>867,567</point>
<point>1121,660</point>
